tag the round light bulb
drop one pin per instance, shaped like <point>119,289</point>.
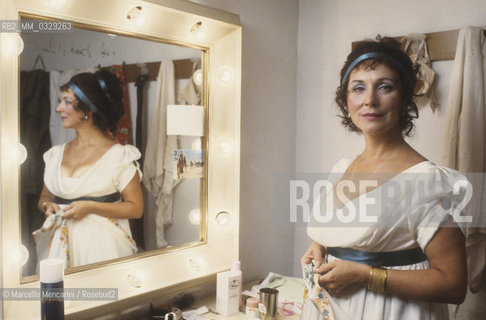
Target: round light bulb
<point>225,146</point>
<point>135,279</point>
<point>195,216</point>
<point>57,4</point>
<point>197,263</point>
<point>223,218</point>
<point>197,77</point>
<point>196,144</point>
<point>197,30</point>
<point>15,152</point>
<point>11,44</point>
<point>138,17</point>
<point>225,75</point>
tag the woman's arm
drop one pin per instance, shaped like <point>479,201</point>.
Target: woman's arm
<point>46,202</point>
<point>445,281</point>
<point>130,208</point>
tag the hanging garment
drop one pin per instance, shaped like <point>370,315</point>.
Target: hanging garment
<point>425,76</point>
<point>34,135</point>
<point>123,132</point>
<point>191,93</point>
<point>157,168</point>
<point>136,225</point>
<point>140,84</point>
<point>464,140</point>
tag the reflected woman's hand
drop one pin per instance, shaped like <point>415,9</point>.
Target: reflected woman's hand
<point>76,210</point>
<point>50,208</point>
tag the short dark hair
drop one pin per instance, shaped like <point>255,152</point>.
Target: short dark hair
<point>104,91</point>
<point>398,61</point>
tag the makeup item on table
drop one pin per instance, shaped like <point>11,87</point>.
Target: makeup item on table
<point>268,304</point>
<point>52,289</point>
<point>251,310</point>
<point>228,290</point>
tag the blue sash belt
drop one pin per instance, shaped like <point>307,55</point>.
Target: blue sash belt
<point>113,197</point>
<point>380,259</point>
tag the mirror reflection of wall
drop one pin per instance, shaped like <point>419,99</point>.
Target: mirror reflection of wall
<point>62,55</point>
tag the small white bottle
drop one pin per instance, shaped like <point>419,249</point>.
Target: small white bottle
<point>228,290</point>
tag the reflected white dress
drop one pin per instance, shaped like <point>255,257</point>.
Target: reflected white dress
<point>93,238</point>
<point>409,209</point>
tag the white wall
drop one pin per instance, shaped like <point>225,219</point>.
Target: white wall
<point>267,131</point>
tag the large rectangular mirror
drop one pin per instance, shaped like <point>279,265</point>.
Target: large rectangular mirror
<point>49,60</point>
<point>186,34</point>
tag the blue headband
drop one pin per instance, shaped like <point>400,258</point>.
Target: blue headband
<point>85,99</point>
<point>104,87</point>
<point>375,55</point>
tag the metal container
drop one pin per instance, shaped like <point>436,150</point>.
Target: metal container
<point>268,304</point>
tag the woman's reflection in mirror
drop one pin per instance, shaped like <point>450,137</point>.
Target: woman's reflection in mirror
<point>91,184</point>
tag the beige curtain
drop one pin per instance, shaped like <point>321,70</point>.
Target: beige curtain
<point>157,167</point>
<point>465,140</point>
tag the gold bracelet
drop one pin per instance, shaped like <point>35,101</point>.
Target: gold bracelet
<point>377,279</point>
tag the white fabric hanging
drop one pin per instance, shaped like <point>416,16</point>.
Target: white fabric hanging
<point>157,167</point>
<point>425,77</point>
<point>464,141</point>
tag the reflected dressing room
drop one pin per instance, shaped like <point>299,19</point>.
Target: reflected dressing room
<point>55,57</point>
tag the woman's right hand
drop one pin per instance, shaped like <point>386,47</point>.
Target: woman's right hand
<point>50,208</point>
<point>314,252</point>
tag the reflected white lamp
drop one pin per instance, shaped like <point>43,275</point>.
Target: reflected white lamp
<point>21,255</point>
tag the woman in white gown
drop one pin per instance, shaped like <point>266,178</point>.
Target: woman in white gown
<point>91,184</point>
<point>392,249</point>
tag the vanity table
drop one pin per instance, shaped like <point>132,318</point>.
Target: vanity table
<point>292,290</point>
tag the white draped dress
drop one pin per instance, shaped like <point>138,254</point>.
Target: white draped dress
<point>93,238</point>
<point>409,209</point>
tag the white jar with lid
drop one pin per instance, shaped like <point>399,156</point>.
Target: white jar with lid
<point>252,308</point>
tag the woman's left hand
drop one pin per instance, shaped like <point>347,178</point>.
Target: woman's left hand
<point>76,210</point>
<point>341,278</point>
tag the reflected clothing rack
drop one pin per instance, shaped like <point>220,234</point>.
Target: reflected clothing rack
<point>183,69</point>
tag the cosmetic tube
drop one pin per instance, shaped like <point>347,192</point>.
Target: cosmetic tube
<point>52,289</point>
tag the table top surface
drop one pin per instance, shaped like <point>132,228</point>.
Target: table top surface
<point>292,290</point>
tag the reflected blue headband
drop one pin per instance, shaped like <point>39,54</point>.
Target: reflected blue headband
<point>104,87</point>
<point>85,99</point>
<point>375,55</point>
